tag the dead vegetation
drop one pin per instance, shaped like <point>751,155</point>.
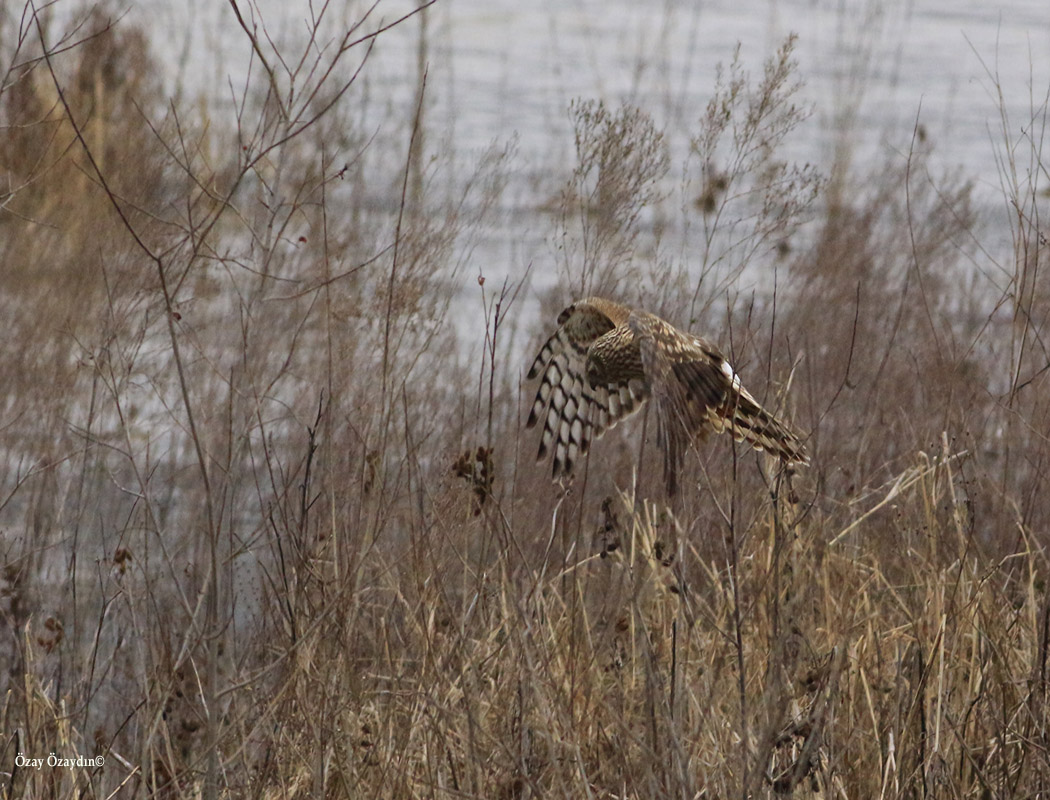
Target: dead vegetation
<point>268,532</point>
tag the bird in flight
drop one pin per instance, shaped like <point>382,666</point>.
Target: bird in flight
<point>606,360</point>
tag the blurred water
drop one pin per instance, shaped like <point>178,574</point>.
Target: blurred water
<point>502,70</point>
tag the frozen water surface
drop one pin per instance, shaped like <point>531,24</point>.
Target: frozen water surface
<point>501,68</point>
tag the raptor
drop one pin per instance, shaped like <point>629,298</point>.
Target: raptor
<point>606,360</point>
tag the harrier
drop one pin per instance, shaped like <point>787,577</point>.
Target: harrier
<point>605,360</point>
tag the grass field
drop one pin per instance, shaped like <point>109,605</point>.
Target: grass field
<point>271,525</point>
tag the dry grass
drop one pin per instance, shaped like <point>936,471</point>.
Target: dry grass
<point>267,532</point>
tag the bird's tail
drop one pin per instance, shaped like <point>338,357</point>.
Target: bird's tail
<point>749,422</point>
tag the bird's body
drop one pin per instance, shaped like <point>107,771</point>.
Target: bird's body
<point>605,360</point>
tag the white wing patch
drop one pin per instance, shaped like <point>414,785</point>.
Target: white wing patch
<point>734,379</point>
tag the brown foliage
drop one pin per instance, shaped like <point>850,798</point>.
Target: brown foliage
<point>268,532</point>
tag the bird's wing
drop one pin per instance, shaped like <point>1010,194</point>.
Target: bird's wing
<point>574,411</point>
<point>688,384</point>
<point>697,390</point>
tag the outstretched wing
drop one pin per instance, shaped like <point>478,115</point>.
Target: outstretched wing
<point>696,391</point>
<point>573,410</point>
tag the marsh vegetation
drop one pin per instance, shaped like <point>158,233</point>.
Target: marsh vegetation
<point>271,525</point>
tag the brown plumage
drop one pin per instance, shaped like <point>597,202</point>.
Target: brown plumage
<point>605,360</point>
